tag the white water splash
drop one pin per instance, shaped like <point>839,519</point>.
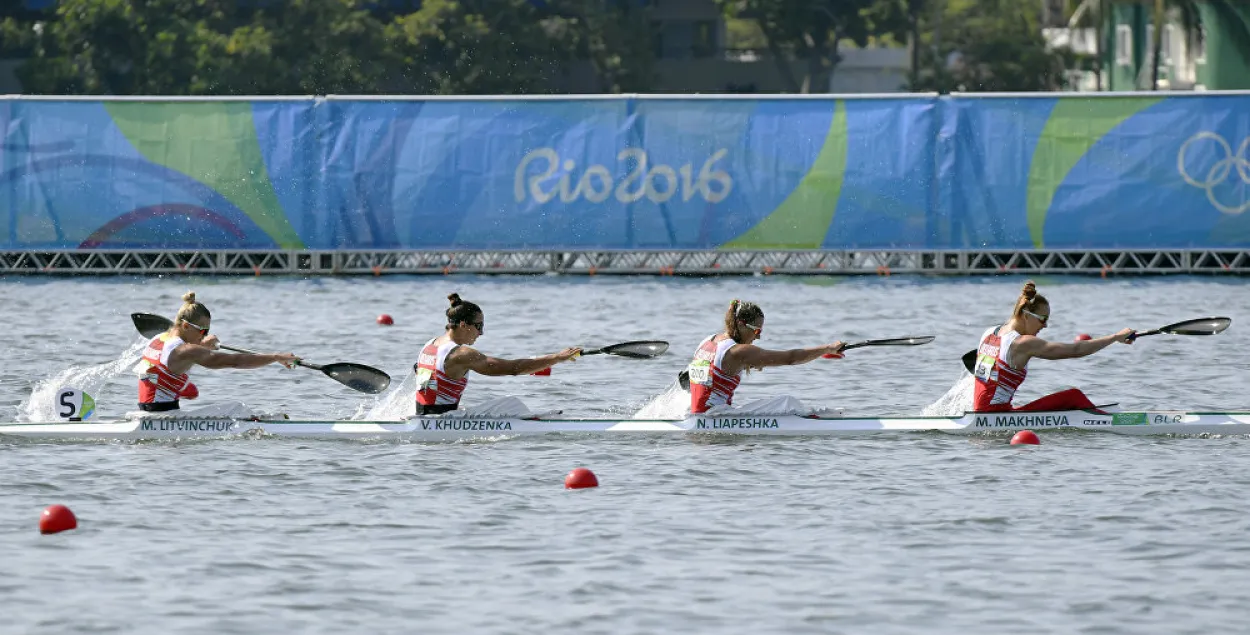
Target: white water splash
<point>670,404</point>
<point>93,380</point>
<point>398,404</point>
<point>955,402</point>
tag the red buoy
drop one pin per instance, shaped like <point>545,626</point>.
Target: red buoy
<point>580,478</point>
<point>1083,336</point>
<point>1025,437</point>
<point>57,518</point>
<point>385,320</point>
<point>189,391</point>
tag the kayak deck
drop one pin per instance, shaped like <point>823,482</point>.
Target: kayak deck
<point>445,428</point>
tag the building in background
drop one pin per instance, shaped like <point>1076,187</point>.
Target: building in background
<point>1212,55</point>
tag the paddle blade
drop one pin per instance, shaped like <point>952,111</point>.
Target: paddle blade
<point>358,377</point>
<point>970,360</point>
<point>546,372</point>
<point>150,325</point>
<point>634,350</point>
<point>1201,326</point>
<point>897,341</point>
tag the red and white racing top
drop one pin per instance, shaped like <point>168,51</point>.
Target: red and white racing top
<point>434,387</point>
<point>156,383</point>
<point>709,385</point>
<point>997,378</point>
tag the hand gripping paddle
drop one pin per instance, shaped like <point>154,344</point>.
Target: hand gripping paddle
<point>358,377</point>
<point>683,378</point>
<point>1199,326</point>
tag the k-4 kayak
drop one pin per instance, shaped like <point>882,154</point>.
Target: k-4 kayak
<point>454,428</point>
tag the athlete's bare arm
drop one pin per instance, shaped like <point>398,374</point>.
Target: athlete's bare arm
<point>465,359</point>
<point>751,356</point>
<point>1030,346</point>
<point>188,355</point>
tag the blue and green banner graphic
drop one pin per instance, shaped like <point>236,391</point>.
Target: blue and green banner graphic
<point>921,172</point>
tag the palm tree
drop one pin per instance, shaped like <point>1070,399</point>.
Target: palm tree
<point>1090,14</point>
<point>1190,23</point>
<point>1188,18</point>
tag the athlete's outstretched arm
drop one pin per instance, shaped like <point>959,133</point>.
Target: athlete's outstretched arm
<point>1040,348</point>
<point>188,355</point>
<point>752,356</point>
<point>474,360</point>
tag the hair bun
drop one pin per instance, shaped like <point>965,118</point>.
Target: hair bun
<point>455,299</point>
<point>189,297</point>
<point>1029,291</point>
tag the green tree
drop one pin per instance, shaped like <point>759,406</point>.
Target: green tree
<point>203,47</point>
<point>990,45</point>
<point>614,36</point>
<point>475,47</point>
<point>809,30</point>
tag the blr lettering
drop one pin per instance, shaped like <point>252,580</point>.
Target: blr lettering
<point>461,425</point>
<point>737,424</point>
<point>1021,421</point>
<point>187,425</point>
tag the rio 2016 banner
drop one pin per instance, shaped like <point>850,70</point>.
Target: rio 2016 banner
<point>906,172</point>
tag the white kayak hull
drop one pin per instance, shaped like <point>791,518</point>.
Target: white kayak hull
<point>457,428</point>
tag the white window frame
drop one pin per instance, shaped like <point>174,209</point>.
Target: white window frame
<point>1168,45</point>
<point>1123,44</point>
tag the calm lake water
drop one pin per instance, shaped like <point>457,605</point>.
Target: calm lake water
<point>920,533</point>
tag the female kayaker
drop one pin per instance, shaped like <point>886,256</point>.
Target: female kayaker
<point>720,359</point>
<point>170,355</point>
<point>1004,353</point>
<point>445,361</point>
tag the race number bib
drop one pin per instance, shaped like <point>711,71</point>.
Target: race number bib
<point>700,373</point>
<point>74,404</point>
<point>984,370</point>
<point>424,377</point>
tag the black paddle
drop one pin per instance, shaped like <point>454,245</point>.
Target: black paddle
<point>683,378</point>
<point>644,349</point>
<point>358,377</point>
<point>1199,326</point>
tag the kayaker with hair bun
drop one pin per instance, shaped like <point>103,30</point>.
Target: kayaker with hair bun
<point>1004,353</point>
<point>720,359</point>
<point>442,368</point>
<point>169,356</point>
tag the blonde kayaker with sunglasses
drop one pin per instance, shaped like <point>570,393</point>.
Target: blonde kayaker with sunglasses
<point>169,356</point>
<point>720,359</point>
<point>1003,356</point>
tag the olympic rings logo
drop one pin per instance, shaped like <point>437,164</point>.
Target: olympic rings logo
<point>1220,171</point>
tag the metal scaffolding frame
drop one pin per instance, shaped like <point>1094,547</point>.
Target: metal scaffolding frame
<point>608,262</point>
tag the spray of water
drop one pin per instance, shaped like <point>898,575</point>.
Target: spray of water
<point>102,381</point>
<point>955,402</point>
<point>670,404</point>
<point>395,405</point>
